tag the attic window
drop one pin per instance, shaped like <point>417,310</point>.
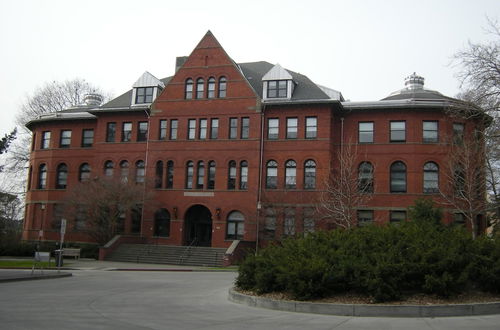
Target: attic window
<point>144,95</point>
<point>277,89</point>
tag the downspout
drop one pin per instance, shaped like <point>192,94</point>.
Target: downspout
<point>259,191</point>
<point>145,169</point>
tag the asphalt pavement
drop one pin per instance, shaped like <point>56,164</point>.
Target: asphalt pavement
<point>169,297</point>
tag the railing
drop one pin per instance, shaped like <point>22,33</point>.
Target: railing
<point>188,250</point>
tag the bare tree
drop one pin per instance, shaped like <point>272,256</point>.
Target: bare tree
<point>464,174</point>
<point>51,97</point>
<point>101,203</point>
<point>348,188</point>
<point>480,83</point>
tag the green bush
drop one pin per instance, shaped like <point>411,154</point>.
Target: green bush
<point>384,262</point>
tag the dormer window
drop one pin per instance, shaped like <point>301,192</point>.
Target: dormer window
<point>146,89</point>
<point>277,83</point>
<point>277,89</point>
<point>144,95</point>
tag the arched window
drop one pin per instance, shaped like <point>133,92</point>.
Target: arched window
<point>271,175</point>
<point>398,177</point>
<point>200,88</point>
<point>211,175</point>
<point>365,177</point>
<point>108,168</point>
<point>231,176</point>
<point>30,177</point>
<point>211,88</point>
<point>124,170</point>
<point>62,176</point>
<point>310,174</point>
<point>431,178</point>
<point>162,223</point>
<point>188,89</point>
<point>42,176</point>
<point>244,175</point>
<point>84,172</point>
<point>170,174</point>
<point>159,174</point>
<point>200,175</point>
<point>290,174</point>
<point>235,225</point>
<point>222,87</point>
<point>189,174</point>
<point>139,171</point>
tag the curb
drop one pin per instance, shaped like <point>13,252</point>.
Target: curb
<point>366,310</point>
<point>34,277</point>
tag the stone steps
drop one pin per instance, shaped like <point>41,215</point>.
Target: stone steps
<point>165,254</point>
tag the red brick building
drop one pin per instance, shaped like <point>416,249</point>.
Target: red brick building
<point>238,151</point>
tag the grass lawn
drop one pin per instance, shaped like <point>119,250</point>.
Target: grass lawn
<point>23,264</point>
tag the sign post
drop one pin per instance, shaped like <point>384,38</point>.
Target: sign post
<point>59,256</point>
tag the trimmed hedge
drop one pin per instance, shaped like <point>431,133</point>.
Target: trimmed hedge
<point>383,262</point>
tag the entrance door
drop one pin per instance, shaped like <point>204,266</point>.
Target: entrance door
<point>198,226</point>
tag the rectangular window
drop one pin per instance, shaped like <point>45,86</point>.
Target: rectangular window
<point>365,131</point>
<point>191,129</point>
<point>233,128</point>
<point>308,217</point>
<point>398,131</point>
<point>311,127</point>
<point>291,128</point>
<point>173,129</point>
<point>144,95</point>
<point>65,139</point>
<point>110,132</point>
<point>365,217</point>
<point>245,127</point>
<point>397,216</point>
<point>162,135</point>
<point>142,131</point>
<point>214,128</point>
<point>430,131</point>
<point>272,128</point>
<point>270,223</point>
<point>45,144</point>
<point>277,89</point>
<point>458,133</point>
<point>459,219</point>
<point>126,132</point>
<point>289,223</point>
<point>87,137</point>
<point>202,134</point>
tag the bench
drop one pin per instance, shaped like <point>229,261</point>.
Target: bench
<point>69,252</point>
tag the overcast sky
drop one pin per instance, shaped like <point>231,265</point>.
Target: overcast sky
<point>362,48</point>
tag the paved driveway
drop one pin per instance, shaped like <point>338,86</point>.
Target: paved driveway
<point>99,299</point>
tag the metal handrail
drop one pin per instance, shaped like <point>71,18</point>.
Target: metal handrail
<point>188,249</point>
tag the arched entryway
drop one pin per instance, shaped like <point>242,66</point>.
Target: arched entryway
<point>198,226</point>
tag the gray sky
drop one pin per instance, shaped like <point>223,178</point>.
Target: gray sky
<point>362,48</point>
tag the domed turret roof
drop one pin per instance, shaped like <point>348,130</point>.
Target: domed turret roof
<point>414,89</point>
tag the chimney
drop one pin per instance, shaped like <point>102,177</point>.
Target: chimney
<point>179,61</point>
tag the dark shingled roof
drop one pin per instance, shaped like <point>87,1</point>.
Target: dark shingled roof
<point>304,90</point>
<point>123,101</point>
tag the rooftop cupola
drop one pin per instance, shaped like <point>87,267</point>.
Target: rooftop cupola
<point>92,99</point>
<point>414,82</point>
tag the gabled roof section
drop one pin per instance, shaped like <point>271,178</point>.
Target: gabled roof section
<point>208,41</point>
<point>277,73</point>
<point>148,80</point>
